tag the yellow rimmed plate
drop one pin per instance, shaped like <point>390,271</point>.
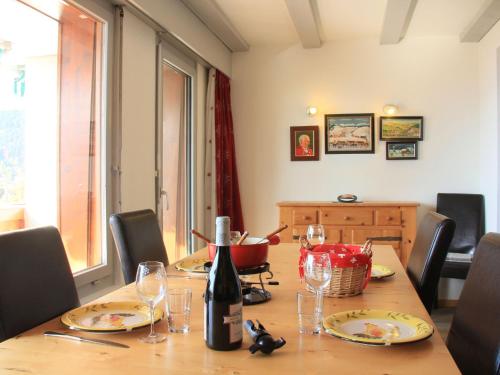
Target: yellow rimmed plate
<point>380,272</point>
<point>377,327</point>
<point>110,317</point>
<point>192,265</point>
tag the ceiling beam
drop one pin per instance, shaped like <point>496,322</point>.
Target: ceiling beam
<point>216,20</point>
<point>398,14</point>
<point>306,24</point>
<point>482,22</point>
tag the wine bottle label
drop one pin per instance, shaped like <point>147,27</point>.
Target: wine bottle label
<point>235,322</point>
<point>222,231</point>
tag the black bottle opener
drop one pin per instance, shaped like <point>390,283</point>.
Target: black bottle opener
<point>262,339</point>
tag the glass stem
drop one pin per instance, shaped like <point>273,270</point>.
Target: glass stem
<point>151,315</point>
<point>318,301</point>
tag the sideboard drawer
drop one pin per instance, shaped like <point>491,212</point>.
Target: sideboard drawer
<point>333,234</point>
<point>346,216</point>
<point>297,231</point>
<point>388,216</point>
<point>379,236</point>
<point>305,216</point>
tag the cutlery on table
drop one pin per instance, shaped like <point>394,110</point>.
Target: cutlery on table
<point>84,339</point>
<point>280,229</point>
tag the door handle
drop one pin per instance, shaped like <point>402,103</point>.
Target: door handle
<point>164,197</point>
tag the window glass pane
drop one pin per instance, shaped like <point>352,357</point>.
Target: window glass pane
<point>49,125</point>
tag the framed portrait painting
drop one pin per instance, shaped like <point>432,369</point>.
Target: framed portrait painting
<point>399,128</point>
<point>401,150</point>
<point>304,143</point>
<point>350,133</point>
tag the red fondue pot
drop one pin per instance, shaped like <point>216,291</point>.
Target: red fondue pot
<point>250,254</point>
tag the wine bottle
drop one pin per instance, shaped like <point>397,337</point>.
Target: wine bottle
<point>223,298</point>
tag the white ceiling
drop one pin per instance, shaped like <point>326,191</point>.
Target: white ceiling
<point>264,22</point>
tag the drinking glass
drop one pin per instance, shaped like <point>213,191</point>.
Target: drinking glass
<point>318,273</point>
<point>316,234</point>
<point>179,310</point>
<point>151,285</point>
<point>308,313</point>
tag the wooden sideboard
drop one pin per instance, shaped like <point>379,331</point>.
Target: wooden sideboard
<point>388,223</point>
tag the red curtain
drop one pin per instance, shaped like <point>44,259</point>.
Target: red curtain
<point>228,191</point>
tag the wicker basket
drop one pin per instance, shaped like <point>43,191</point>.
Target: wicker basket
<point>350,280</point>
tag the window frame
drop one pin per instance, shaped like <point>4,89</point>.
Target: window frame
<point>103,12</point>
<point>170,54</point>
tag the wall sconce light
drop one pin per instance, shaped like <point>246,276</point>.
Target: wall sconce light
<point>311,111</point>
<point>390,109</point>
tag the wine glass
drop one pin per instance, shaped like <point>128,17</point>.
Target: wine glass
<point>316,234</point>
<point>318,273</point>
<point>151,285</point>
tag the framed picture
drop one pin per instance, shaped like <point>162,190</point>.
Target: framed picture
<point>349,134</point>
<point>401,128</point>
<point>304,143</point>
<point>401,150</point>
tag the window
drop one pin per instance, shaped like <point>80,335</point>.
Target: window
<point>51,133</point>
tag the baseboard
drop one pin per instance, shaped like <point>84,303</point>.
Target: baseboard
<point>447,302</point>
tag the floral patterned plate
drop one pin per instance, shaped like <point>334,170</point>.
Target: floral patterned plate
<point>377,327</point>
<point>110,317</point>
<point>192,265</point>
<point>380,272</point>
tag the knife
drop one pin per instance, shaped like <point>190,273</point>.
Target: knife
<point>84,339</point>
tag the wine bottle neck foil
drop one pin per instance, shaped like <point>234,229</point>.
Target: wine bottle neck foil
<point>222,231</point>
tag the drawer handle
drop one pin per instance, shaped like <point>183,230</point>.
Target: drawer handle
<point>326,215</point>
<point>306,218</point>
<point>296,237</point>
<point>347,218</point>
<point>389,218</point>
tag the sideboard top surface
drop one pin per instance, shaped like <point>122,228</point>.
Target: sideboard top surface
<point>356,204</point>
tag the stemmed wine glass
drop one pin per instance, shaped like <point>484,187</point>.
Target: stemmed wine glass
<point>318,273</point>
<point>151,284</point>
<point>316,234</point>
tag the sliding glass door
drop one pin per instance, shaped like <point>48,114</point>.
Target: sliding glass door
<point>174,152</point>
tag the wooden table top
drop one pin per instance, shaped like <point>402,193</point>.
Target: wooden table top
<point>33,353</point>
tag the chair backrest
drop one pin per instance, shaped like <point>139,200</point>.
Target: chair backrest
<point>467,210</point>
<point>474,337</point>
<point>428,255</point>
<point>36,283</point>
<point>138,239</point>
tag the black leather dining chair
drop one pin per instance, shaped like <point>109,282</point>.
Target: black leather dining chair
<point>467,210</point>
<point>36,283</point>
<point>138,239</point>
<point>474,337</point>
<point>427,257</point>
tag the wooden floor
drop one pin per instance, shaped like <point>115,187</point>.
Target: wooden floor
<point>442,319</point>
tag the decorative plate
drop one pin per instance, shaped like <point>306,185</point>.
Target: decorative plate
<point>193,265</point>
<point>110,317</point>
<point>377,327</point>
<point>379,272</point>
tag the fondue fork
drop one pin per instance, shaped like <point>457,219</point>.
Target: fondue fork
<point>280,229</point>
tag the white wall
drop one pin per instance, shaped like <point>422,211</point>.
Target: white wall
<point>138,114</point>
<point>175,17</point>
<point>272,86</point>
<point>489,124</point>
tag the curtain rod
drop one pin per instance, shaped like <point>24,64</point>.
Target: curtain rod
<point>161,31</point>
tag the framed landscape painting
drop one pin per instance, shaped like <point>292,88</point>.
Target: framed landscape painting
<point>401,150</point>
<point>402,128</point>
<point>349,133</point>
<point>304,143</point>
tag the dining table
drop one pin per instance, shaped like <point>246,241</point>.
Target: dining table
<point>33,353</point>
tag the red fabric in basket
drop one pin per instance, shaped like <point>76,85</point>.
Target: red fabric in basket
<point>342,256</point>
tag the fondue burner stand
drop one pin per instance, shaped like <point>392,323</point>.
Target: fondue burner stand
<point>253,295</point>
